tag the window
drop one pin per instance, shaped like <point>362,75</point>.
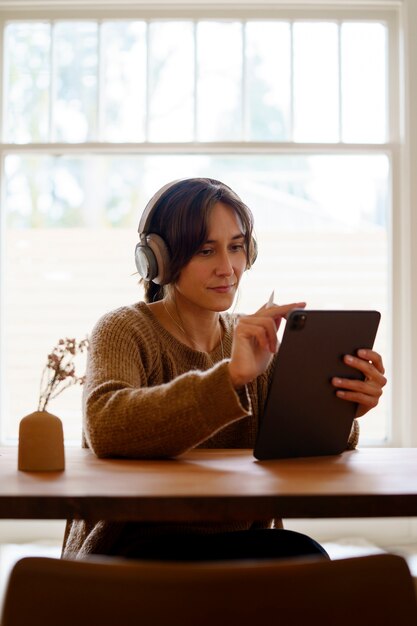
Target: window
<point>296,113</point>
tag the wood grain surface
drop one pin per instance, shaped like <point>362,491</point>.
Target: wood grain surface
<point>213,485</point>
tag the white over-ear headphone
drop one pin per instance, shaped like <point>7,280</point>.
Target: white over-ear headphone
<point>151,253</point>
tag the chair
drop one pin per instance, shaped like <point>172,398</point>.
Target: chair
<point>368,590</point>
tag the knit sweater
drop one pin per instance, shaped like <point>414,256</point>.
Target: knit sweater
<point>147,395</point>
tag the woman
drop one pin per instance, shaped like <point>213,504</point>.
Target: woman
<point>175,372</point>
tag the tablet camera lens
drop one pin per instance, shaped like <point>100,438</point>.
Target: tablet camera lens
<point>298,321</point>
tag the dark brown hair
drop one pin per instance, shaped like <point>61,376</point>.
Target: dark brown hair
<point>181,217</point>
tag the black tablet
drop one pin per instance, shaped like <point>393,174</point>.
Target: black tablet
<point>303,416</point>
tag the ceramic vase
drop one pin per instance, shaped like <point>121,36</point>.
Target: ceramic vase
<point>41,443</point>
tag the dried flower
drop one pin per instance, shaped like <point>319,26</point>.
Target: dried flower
<point>59,371</point>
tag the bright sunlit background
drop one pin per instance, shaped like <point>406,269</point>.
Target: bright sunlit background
<point>322,217</point>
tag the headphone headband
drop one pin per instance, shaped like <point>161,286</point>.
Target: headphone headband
<point>147,212</point>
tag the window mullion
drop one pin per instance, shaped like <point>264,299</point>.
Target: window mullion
<point>291,120</point>
<point>3,86</point>
<point>99,98</point>
<point>198,147</point>
<point>339,78</point>
<point>244,87</point>
<point>148,79</point>
<point>195,79</point>
<point>52,83</point>
<point>394,86</point>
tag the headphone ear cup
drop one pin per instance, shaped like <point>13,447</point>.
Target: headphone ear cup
<point>161,254</point>
<point>152,260</point>
<point>145,262</point>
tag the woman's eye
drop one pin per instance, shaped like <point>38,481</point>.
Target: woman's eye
<point>238,247</point>
<point>205,252</point>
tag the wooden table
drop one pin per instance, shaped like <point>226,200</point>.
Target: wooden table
<point>213,485</point>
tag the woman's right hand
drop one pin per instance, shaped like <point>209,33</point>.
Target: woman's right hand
<point>255,341</point>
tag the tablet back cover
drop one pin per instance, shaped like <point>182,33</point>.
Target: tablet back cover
<point>303,416</point>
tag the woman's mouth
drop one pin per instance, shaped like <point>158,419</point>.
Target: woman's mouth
<point>222,288</point>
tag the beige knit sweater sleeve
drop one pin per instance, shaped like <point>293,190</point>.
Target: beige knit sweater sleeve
<point>144,396</point>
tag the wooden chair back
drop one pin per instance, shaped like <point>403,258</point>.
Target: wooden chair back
<point>375,589</point>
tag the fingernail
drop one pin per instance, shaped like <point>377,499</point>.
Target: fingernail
<point>337,381</point>
<point>348,358</point>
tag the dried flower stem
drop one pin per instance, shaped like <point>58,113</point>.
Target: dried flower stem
<point>59,371</point>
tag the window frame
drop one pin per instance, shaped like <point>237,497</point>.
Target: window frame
<point>401,145</point>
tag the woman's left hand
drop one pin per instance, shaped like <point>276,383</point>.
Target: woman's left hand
<point>365,392</point>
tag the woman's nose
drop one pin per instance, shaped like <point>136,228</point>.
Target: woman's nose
<point>224,265</point>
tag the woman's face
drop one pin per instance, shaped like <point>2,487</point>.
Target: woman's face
<point>210,279</point>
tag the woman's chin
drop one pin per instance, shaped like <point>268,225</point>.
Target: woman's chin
<point>223,302</point>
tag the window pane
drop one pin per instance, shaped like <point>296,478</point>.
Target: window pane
<point>71,228</point>
<point>68,259</point>
<point>171,81</point>
<point>219,81</point>
<point>270,56</point>
<point>364,96</point>
<point>322,228</point>
<point>27,71</point>
<point>268,80</point>
<point>124,81</point>
<point>316,82</point>
<point>75,105</point>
